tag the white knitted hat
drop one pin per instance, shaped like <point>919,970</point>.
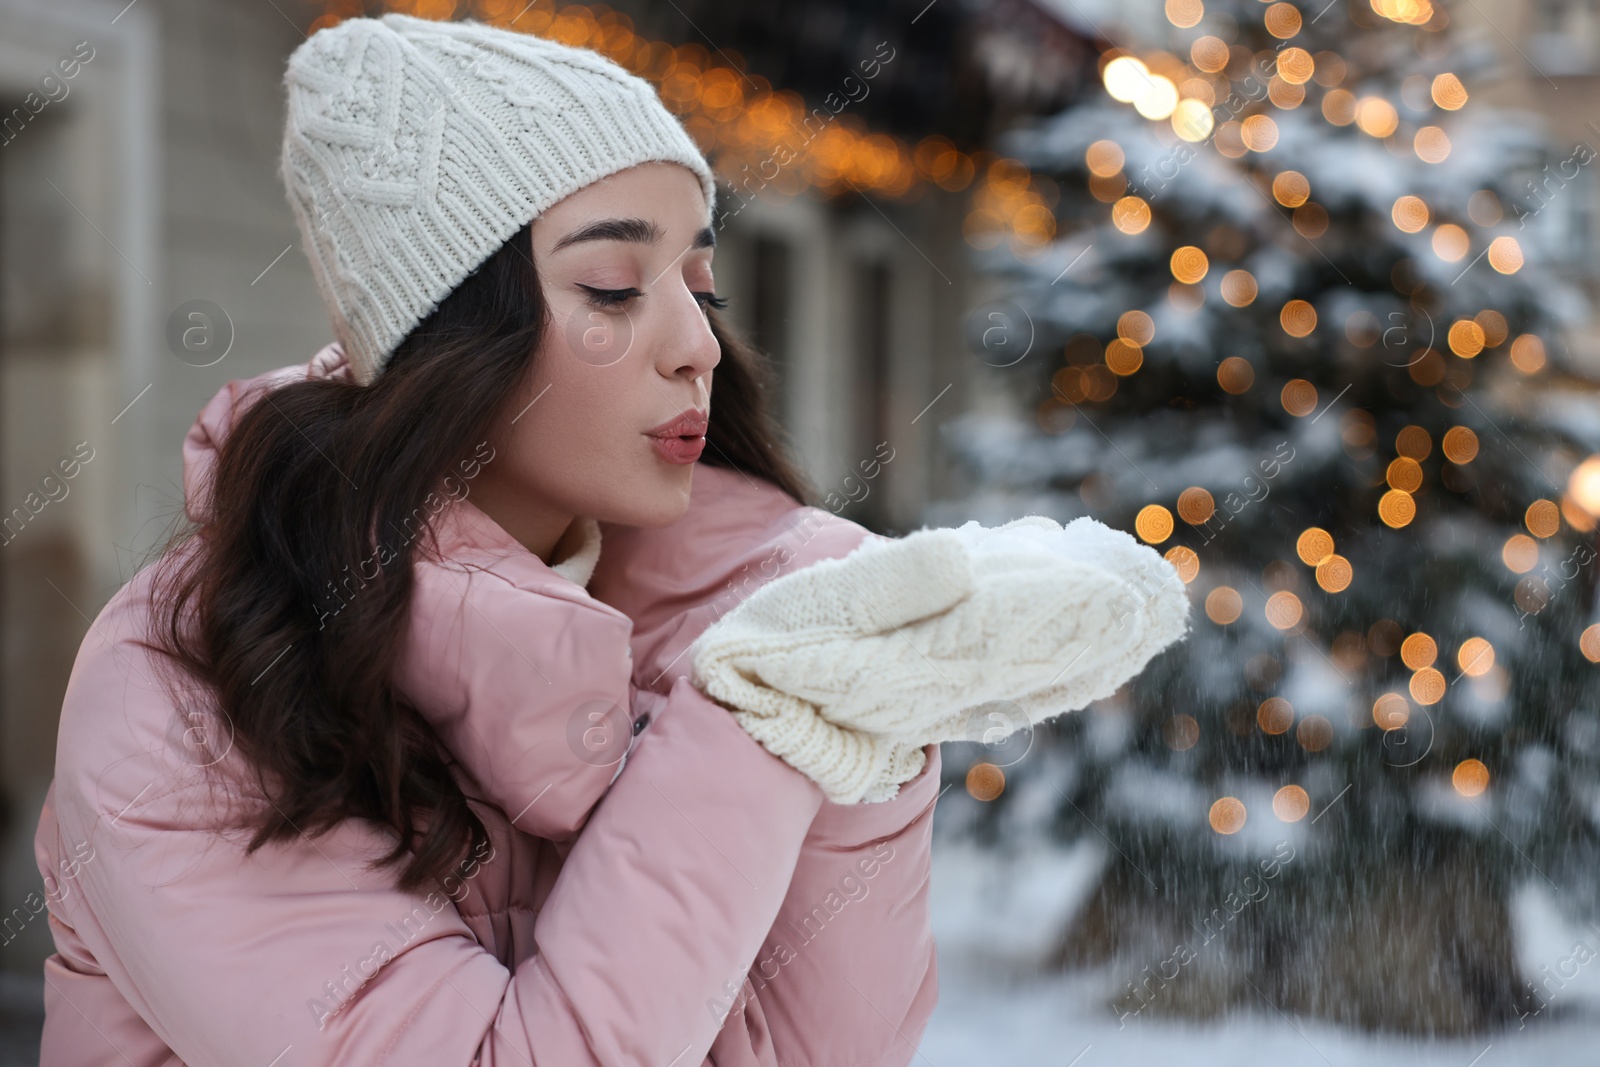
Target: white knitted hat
<point>414,149</point>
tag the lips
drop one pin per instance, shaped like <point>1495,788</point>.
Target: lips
<point>680,439</point>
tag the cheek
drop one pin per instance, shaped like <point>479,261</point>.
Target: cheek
<point>579,446</point>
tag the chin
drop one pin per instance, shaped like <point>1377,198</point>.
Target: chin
<point>658,504</point>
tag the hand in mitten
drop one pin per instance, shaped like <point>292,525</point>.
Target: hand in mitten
<point>900,638</point>
<point>884,585</point>
<point>1152,613</point>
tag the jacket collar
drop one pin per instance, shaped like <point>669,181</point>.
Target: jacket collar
<point>463,531</point>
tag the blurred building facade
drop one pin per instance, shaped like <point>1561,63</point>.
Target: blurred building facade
<point>1548,63</point>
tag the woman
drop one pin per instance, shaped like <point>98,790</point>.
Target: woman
<point>329,776</point>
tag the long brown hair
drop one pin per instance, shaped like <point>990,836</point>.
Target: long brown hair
<point>309,480</point>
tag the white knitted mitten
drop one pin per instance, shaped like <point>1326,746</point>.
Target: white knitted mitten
<point>846,667</point>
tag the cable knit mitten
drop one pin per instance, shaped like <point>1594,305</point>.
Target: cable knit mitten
<point>842,666</point>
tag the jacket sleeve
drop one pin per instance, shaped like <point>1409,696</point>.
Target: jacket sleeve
<point>301,953</point>
<point>847,973</point>
<point>526,687</point>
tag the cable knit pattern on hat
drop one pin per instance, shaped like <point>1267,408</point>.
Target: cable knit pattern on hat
<point>414,149</point>
<point>836,667</point>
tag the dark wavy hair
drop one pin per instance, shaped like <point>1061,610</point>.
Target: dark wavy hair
<point>303,484</point>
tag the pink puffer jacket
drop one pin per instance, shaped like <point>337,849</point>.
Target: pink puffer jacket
<point>714,909</point>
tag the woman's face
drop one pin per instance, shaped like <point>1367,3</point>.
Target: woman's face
<point>614,414</point>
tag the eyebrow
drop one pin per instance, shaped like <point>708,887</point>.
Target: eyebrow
<point>641,231</point>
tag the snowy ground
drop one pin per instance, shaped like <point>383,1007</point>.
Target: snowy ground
<point>990,917</point>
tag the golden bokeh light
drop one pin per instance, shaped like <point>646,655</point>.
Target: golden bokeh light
<point>1259,133</point>
<point>1199,89</point>
<point>1126,77</point>
<point>1285,94</point>
<point>1470,777</point>
<point>1185,561</point>
<point>1180,732</point>
<point>1396,508</point>
<point>1298,318</point>
<point>1209,54</point>
<point>1313,545</point>
<point>1299,397</point>
<point>1153,524</point>
<point>1195,505</point>
<point>1158,100</point>
<point>1520,553</point>
<point>1589,643</point>
<point>1330,69</point>
<point>1282,20</point>
<point>1527,353</point>
<point>1310,220</point>
<point>1290,188</point>
<point>1450,242</point>
<point>1334,574</point>
<point>1275,715</point>
<point>985,781</point>
<point>1228,815</point>
<point>1189,264</point>
<point>1185,13</point>
<point>1505,255</point>
<point>1314,733</point>
<point>1108,189</point>
<point>1339,107</point>
<point>1448,92</point>
<point>1413,441</point>
<point>1466,338</point>
<point>1296,66</point>
<point>1123,358</point>
<point>1136,327</point>
<point>1410,214</point>
<point>1583,486</point>
<point>1427,686</point>
<point>1543,518</point>
<point>1405,474</point>
<point>1576,517</point>
<point>1460,445</point>
<point>1475,657</point>
<point>1192,120</point>
<point>1104,158</point>
<point>1291,803</point>
<point>1431,144</point>
<point>1418,651</point>
<point>1130,215</point>
<point>1224,605</point>
<point>1235,375</point>
<point>1239,288</point>
<point>1409,12</point>
<point>1494,327</point>
<point>1428,368</point>
<point>1284,610</point>
<point>1391,711</point>
<point>1376,117</point>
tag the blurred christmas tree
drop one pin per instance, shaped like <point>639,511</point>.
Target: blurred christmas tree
<point>1291,326</point>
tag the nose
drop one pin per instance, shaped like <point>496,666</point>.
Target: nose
<point>689,350</point>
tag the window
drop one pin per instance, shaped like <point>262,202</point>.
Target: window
<point>769,314</point>
<point>870,357</point>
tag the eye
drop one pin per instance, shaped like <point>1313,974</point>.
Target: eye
<point>711,300</point>
<point>606,298</point>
